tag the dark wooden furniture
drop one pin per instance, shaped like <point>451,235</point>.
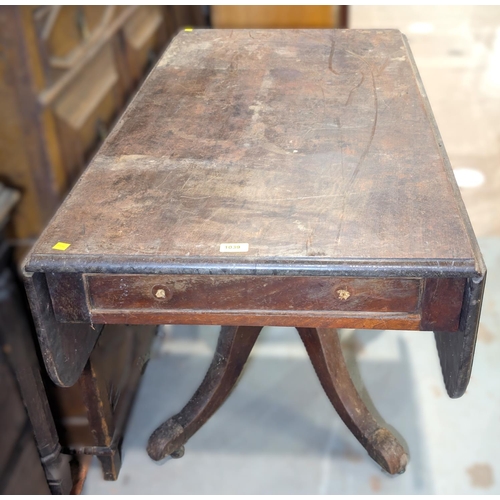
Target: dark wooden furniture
<point>292,178</point>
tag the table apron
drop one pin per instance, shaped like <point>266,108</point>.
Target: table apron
<point>308,301</point>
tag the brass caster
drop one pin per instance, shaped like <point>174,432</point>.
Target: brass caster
<point>178,453</point>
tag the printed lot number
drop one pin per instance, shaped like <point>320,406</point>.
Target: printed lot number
<point>234,247</point>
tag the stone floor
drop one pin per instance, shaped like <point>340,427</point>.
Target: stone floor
<point>277,433</point>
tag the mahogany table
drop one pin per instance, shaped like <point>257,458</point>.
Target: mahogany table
<point>279,177</point>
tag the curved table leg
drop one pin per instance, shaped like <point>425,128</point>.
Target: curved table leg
<point>323,347</point>
<point>233,348</point>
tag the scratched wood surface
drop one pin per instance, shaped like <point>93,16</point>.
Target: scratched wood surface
<point>300,143</point>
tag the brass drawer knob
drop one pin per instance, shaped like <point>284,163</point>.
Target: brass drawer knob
<point>343,294</point>
<point>162,293</point>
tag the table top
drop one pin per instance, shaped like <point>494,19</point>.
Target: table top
<point>273,151</point>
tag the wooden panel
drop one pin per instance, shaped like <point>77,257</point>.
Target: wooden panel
<point>129,348</point>
<point>22,156</point>
<point>87,104</point>
<point>68,296</point>
<point>246,300</point>
<point>65,347</point>
<point>80,100</point>
<point>432,304</point>
<point>279,139</point>
<point>108,388</point>
<point>310,319</point>
<point>65,29</point>
<point>256,293</point>
<point>442,304</point>
<point>274,16</point>
<point>456,350</point>
<point>143,35</point>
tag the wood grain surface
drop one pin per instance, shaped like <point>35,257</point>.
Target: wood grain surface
<point>299,143</point>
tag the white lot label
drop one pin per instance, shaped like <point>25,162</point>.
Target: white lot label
<point>234,247</point>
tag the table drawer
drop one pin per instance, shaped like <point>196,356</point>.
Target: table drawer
<point>282,293</point>
<point>400,303</point>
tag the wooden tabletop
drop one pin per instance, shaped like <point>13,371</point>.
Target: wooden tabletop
<point>304,147</point>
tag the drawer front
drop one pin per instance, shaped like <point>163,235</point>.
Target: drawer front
<point>262,293</point>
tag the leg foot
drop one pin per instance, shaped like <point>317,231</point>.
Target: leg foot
<point>323,347</point>
<point>111,465</point>
<point>233,348</point>
<point>58,472</point>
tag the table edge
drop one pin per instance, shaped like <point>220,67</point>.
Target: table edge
<point>278,266</point>
<point>480,265</point>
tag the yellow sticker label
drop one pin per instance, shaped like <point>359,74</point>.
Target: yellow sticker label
<point>61,246</point>
<point>188,29</point>
<point>234,247</point>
